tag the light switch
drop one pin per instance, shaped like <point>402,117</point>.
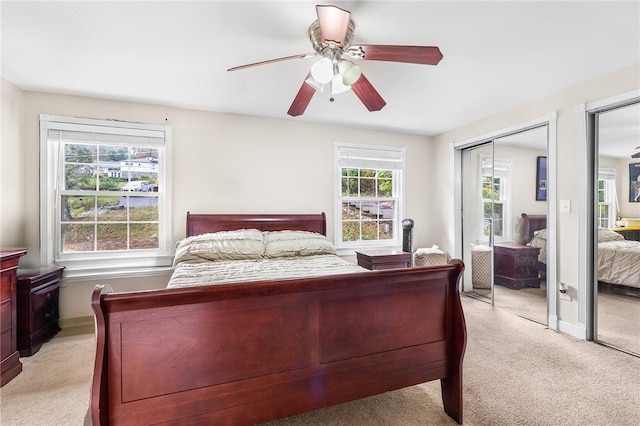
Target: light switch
<point>565,206</point>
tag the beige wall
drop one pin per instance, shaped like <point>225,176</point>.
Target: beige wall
<point>568,146</point>
<point>12,222</point>
<point>221,163</point>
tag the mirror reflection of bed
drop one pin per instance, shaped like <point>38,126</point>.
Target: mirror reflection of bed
<point>618,273</point>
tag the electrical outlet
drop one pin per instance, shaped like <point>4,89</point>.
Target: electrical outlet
<point>564,292</point>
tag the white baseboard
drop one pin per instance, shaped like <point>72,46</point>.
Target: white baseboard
<point>576,330</point>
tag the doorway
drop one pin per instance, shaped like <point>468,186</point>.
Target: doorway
<point>501,177</point>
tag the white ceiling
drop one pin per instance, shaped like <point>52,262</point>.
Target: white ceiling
<point>497,55</point>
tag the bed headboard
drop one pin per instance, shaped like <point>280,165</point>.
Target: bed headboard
<point>203,223</point>
<point>532,223</point>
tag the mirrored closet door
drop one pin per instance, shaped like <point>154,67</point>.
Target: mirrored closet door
<point>617,217</point>
<point>479,223</point>
<point>520,264</point>
<point>504,206</point>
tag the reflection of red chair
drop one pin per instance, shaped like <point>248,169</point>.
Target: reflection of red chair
<point>481,267</point>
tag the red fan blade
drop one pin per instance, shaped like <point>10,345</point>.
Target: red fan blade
<point>334,23</point>
<point>368,94</point>
<point>302,99</point>
<point>270,61</point>
<point>425,55</point>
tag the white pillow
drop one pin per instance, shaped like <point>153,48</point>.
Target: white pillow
<point>605,235</point>
<point>242,244</point>
<point>541,234</point>
<point>296,243</point>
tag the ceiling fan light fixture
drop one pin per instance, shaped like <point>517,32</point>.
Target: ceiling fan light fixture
<point>337,86</point>
<point>349,71</point>
<point>322,71</point>
<point>331,36</point>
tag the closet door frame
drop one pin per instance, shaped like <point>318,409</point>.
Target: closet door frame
<point>457,148</point>
<point>588,160</point>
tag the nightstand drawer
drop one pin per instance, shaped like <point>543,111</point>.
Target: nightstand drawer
<point>42,299</point>
<point>45,307</point>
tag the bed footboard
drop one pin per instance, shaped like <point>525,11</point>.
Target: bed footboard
<point>253,352</point>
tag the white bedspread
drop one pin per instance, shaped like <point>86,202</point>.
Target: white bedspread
<point>190,274</point>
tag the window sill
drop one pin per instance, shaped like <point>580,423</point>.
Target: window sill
<point>111,273</point>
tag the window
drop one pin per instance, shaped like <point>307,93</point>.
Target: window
<point>606,197</point>
<point>105,192</point>
<point>495,199</point>
<point>369,187</point>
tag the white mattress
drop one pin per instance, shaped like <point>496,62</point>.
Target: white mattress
<point>190,274</point>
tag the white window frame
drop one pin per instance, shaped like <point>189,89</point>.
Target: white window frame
<point>500,168</point>
<point>608,175</point>
<point>369,157</point>
<point>100,263</point>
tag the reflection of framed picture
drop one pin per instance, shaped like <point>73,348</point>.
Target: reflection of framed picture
<point>541,179</point>
<point>634,183</point>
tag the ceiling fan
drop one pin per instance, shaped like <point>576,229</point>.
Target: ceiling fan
<point>331,36</point>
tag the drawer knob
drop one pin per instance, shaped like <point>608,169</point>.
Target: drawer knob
<point>47,315</point>
<point>49,296</point>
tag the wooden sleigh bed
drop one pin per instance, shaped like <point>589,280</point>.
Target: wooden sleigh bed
<point>250,352</point>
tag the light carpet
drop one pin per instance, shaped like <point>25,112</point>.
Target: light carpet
<point>618,322</point>
<point>516,372</point>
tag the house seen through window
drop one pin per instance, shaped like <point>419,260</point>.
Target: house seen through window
<point>106,193</point>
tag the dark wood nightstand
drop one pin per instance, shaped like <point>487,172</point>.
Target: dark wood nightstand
<point>383,259</point>
<point>38,292</point>
<point>516,266</point>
